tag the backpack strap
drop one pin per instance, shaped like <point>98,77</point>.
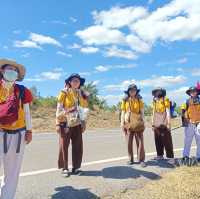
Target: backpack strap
<point>21,91</point>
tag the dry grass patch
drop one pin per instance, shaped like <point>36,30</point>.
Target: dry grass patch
<point>182,183</point>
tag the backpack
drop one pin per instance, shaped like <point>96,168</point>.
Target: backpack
<point>9,109</point>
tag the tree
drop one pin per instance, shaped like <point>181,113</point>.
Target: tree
<point>94,99</point>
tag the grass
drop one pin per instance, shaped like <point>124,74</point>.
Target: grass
<point>181,183</point>
<point>44,120</point>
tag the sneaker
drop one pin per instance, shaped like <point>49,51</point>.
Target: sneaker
<point>185,161</point>
<point>171,161</point>
<point>130,162</point>
<point>65,173</point>
<point>143,164</point>
<point>159,157</point>
<point>76,172</point>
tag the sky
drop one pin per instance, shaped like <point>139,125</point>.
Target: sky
<point>111,43</point>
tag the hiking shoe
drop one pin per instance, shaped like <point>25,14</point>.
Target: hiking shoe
<point>171,161</point>
<point>77,172</point>
<point>143,164</point>
<point>159,157</point>
<point>185,161</point>
<point>65,173</point>
<point>130,162</point>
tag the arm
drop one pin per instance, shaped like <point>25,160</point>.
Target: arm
<point>28,121</point>
<point>168,118</point>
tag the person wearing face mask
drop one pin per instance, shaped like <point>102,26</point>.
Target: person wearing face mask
<point>15,124</point>
<point>71,118</point>
<point>161,125</point>
<point>191,122</point>
<point>132,123</point>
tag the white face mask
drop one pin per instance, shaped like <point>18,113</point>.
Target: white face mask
<point>10,75</point>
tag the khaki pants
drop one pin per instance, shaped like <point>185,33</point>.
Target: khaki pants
<point>163,140</point>
<point>75,135</point>
<point>139,143</point>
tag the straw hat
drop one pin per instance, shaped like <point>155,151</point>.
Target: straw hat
<point>20,68</point>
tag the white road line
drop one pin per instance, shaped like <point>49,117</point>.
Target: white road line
<point>32,173</point>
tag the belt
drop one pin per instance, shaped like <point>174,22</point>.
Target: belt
<point>6,132</point>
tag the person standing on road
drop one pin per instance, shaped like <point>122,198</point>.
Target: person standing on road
<point>71,115</point>
<point>161,124</point>
<point>191,122</point>
<point>15,124</point>
<point>132,123</point>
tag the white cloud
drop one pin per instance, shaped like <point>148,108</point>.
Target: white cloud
<point>43,39</point>
<point>114,51</point>
<point>178,20</point>
<point>63,54</point>
<point>112,99</point>
<point>74,20</point>
<point>64,35</point>
<point>182,60</point>
<point>174,21</point>
<point>150,1</point>
<point>111,67</point>
<point>59,22</point>
<point>55,74</point>
<point>100,35</point>
<point>17,32</point>
<point>137,44</point>
<point>178,95</point>
<point>154,81</point>
<point>118,17</point>
<point>89,49</point>
<point>196,72</point>
<point>96,82</point>
<point>162,81</point>
<point>102,68</point>
<point>26,44</point>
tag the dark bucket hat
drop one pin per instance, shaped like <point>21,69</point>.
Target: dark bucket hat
<point>132,86</point>
<point>161,90</point>
<point>75,75</point>
<point>192,88</point>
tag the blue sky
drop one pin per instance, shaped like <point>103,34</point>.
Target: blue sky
<point>112,43</point>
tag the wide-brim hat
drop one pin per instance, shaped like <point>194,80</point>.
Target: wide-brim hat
<point>20,68</point>
<point>132,86</point>
<point>75,75</point>
<point>162,90</point>
<point>192,88</point>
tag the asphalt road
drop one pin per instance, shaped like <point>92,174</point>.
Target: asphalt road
<point>104,166</point>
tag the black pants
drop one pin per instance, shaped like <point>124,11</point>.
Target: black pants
<point>163,140</point>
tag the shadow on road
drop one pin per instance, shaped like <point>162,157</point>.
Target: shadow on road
<point>68,192</point>
<point>122,172</point>
<point>160,163</point>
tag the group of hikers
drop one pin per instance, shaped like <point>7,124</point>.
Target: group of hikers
<point>71,117</point>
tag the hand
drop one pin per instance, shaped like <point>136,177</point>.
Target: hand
<point>28,136</point>
<point>124,130</point>
<point>58,129</point>
<point>169,126</point>
<point>83,126</point>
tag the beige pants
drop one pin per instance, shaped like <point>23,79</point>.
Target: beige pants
<point>11,162</point>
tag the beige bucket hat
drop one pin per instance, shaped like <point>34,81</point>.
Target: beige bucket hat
<point>20,68</point>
